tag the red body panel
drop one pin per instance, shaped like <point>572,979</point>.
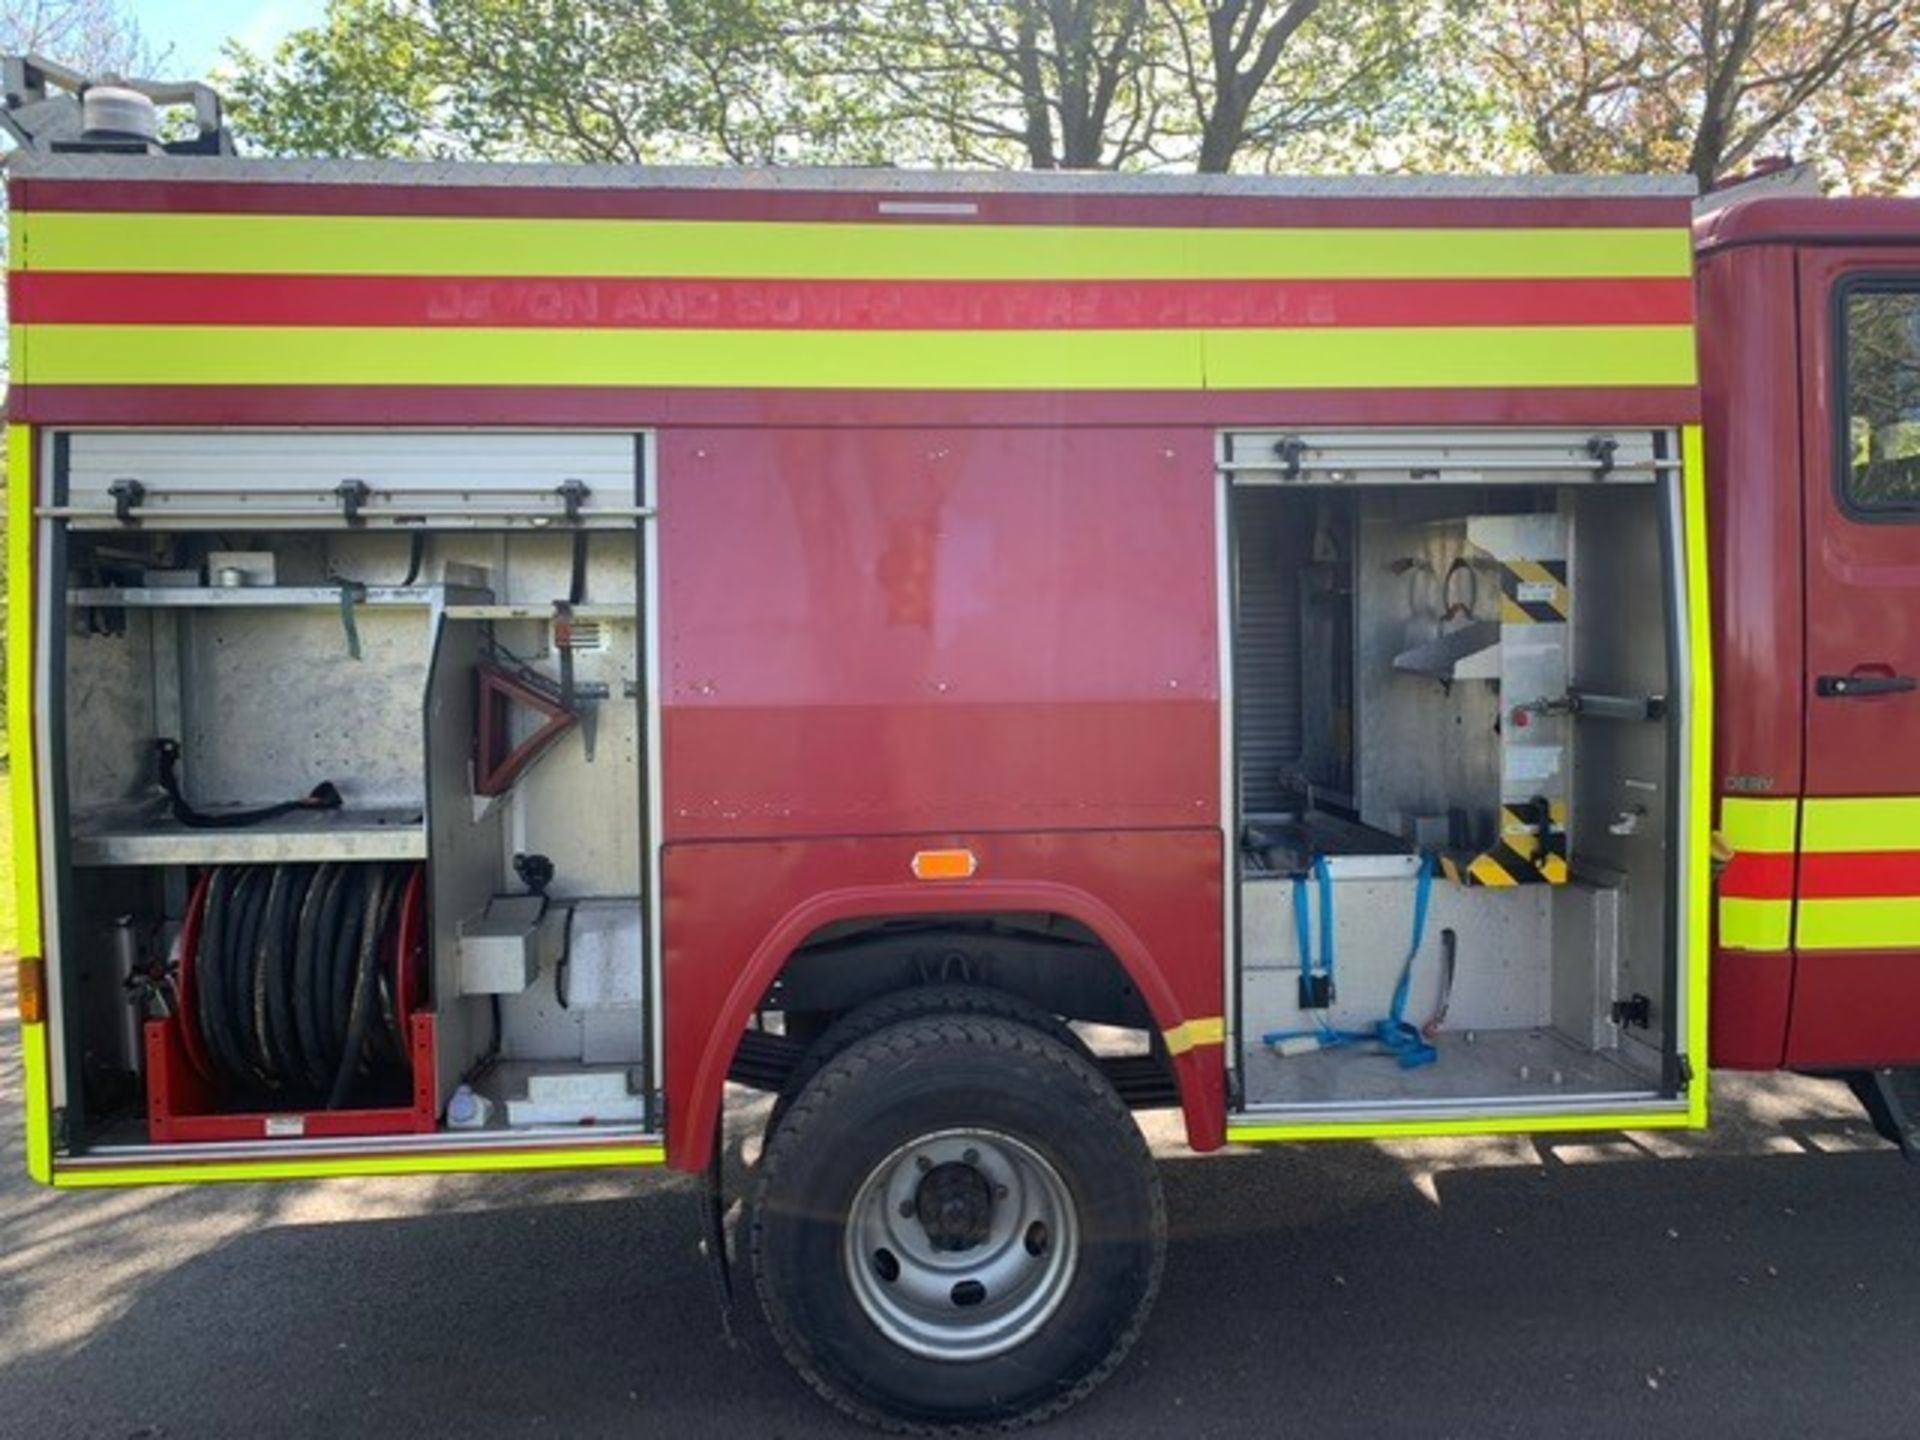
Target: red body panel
<point>735,911</point>
<point>542,302</point>
<point>618,406</point>
<point>1751,402</point>
<point>874,631</point>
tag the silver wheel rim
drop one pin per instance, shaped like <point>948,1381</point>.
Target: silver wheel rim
<point>961,1244</point>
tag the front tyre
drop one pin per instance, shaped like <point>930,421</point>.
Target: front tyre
<point>957,1223</point>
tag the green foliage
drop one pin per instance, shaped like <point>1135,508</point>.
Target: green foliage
<point>1042,83</point>
<point>1706,86</point>
<point>625,81</point>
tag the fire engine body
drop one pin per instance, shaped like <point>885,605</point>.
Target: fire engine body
<point>1267,620</point>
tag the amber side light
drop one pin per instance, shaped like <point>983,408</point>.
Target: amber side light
<point>944,864</point>
<point>33,990</point>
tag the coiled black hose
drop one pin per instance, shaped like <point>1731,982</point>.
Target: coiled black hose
<point>295,990</point>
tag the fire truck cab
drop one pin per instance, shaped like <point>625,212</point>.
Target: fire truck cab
<point>1810,377</point>
<point>502,654</point>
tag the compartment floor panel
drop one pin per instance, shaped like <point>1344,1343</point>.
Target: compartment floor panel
<point>1491,1064</point>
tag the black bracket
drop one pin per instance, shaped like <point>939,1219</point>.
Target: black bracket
<point>535,872</point>
<point>1292,450</point>
<point>1316,992</point>
<point>1603,448</point>
<point>353,496</point>
<point>573,494</point>
<point>126,494</point>
<point>1635,1011</point>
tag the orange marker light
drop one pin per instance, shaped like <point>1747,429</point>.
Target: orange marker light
<point>32,991</point>
<point>944,864</point>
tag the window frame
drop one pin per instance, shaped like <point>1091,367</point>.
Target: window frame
<point>1871,282</point>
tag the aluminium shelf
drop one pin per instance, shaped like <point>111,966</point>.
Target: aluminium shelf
<point>610,613</point>
<point>240,597</point>
<point>152,837</point>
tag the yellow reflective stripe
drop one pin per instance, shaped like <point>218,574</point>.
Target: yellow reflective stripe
<point>35,1062</point>
<point>880,250</point>
<point>1759,826</point>
<point>1698,939</point>
<point>1878,922</point>
<point>955,359</point>
<point>1395,358</point>
<point>1254,1132</point>
<point>1755,924</point>
<point>26,850</point>
<point>1876,823</point>
<point>1211,1030</point>
<point>316,1168</point>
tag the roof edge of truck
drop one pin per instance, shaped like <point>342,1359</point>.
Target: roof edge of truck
<point>876,180</point>
<point>1810,220</point>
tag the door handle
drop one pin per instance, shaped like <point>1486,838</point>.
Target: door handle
<point>1846,687</point>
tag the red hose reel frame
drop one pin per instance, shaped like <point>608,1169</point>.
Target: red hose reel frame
<point>183,1100</point>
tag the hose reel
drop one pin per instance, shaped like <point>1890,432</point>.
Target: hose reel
<point>297,982</point>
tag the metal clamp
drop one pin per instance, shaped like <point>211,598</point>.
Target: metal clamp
<point>126,495</point>
<point>573,494</point>
<point>353,496</point>
<point>1603,448</point>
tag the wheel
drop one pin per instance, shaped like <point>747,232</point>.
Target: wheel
<point>958,1225</point>
<point>916,1003</point>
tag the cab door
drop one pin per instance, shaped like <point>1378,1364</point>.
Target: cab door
<point>1857,886</point>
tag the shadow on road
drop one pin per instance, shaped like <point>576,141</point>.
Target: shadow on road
<point>1316,1291</point>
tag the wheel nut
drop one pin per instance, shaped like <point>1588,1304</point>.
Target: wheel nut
<point>923,1163</point>
<point>972,1157</point>
<point>906,1209</point>
<point>1000,1192</point>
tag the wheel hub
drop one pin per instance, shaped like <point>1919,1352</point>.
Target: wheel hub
<point>961,1244</point>
<point>954,1204</point>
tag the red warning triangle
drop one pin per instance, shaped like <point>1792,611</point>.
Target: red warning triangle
<point>498,762</point>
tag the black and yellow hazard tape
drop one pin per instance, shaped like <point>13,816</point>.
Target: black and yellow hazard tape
<point>1522,855</point>
<point>1533,592</point>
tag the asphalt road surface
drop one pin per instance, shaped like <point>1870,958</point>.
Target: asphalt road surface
<point>1760,1280</point>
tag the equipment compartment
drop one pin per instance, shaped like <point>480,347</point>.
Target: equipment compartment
<point>1459,774</point>
<point>301,759</point>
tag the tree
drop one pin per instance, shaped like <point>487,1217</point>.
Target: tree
<point>99,37</point>
<point>1049,84</point>
<point>1702,86</point>
<point>1280,79</point>
<point>624,81</point>
<point>1045,84</point>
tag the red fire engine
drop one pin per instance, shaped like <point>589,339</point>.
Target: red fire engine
<point>501,653</point>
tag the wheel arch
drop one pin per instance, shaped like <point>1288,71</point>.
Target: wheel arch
<point>1190,1038</point>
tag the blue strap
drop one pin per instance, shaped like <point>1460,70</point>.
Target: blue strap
<point>1409,1046</point>
<point>1323,1032</point>
<point>1323,875</point>
<point>1301,925</point>
<point>1400,1038</point>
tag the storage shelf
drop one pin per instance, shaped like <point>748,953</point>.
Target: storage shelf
<point>213,597</point>
<point>152,837</point>
<point>611,614</point>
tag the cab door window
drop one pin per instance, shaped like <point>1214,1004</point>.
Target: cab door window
<point>1880,399</point>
